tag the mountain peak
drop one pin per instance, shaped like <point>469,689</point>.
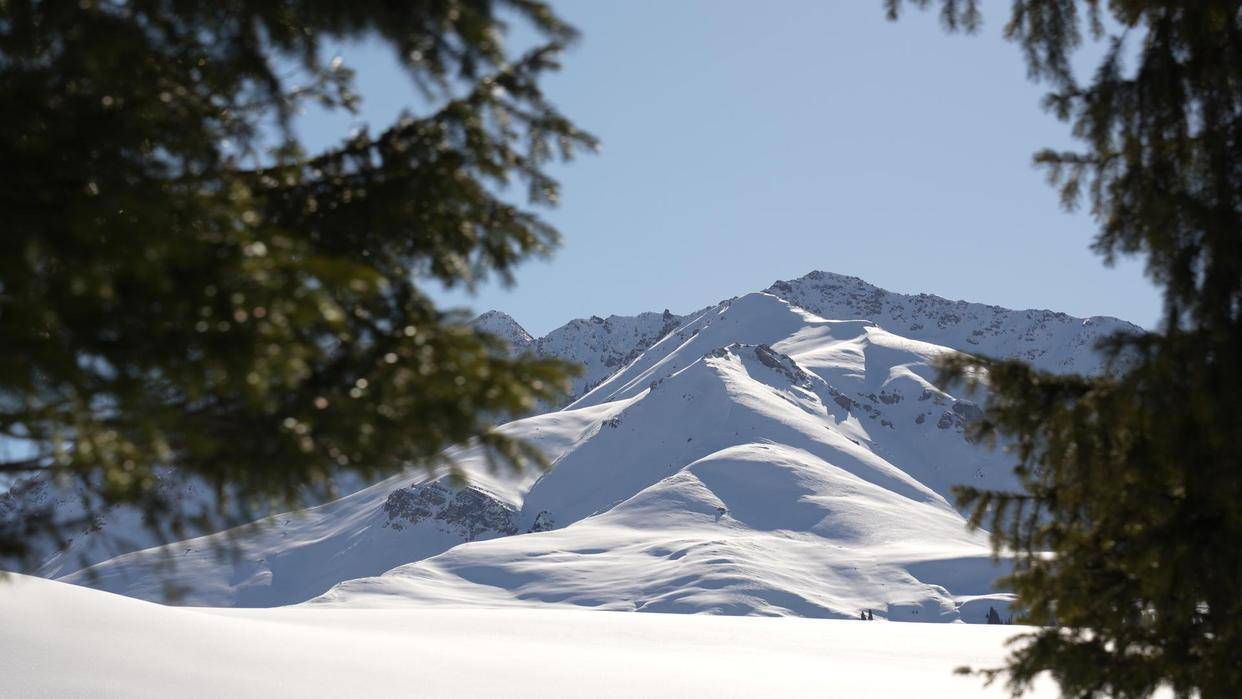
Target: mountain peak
<point>505,327</point>
<point>820,275</point>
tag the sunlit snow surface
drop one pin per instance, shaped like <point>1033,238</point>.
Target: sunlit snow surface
<point>61,640</point>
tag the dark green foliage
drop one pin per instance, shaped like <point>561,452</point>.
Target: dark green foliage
<point>1132,482</point>
<point>184,290</point>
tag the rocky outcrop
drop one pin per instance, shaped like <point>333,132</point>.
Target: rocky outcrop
<point>543,522</point>
<point>469,512</point>
<point>783,365</point>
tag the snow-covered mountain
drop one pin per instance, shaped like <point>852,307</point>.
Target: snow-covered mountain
<point>1049,340</point>
<point>801,469</point>
<point>755,457</point>
<point>757,460</point>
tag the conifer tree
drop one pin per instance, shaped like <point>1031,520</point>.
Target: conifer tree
<point>993,616</point>
<point>1132,481</point>
<point>187,292</point>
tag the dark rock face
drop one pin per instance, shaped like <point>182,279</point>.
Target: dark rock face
<point>616,360</point>
<point>413,505</point>
<point>24,495</point>
<point>604,345</point>
<point>961,416</point>
<point>889,398</point>
<point>27,501</point>
<point>782,364</point>
<point>543,522</point>
<point>469,512</point>
<point>969,411</point>
<point>769,357</point>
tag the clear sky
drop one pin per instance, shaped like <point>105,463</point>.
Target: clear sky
<point>748,142</point>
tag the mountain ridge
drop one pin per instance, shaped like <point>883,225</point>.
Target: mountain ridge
<point>605,345</point>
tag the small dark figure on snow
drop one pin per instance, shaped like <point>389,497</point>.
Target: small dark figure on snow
<point>994,616</point>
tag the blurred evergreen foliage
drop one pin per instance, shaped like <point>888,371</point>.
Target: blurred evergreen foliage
<point>1132,482</point>
<point>186,292</point>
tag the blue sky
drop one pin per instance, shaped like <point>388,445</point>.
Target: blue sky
<point>747,142</point>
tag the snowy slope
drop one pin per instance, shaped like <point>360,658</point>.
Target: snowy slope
<point>295,556</point>
<point>59,640</point>
<point>95,532</point>
<point>85,519</point>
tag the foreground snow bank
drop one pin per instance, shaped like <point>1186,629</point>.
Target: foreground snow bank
<point>62,640</point>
